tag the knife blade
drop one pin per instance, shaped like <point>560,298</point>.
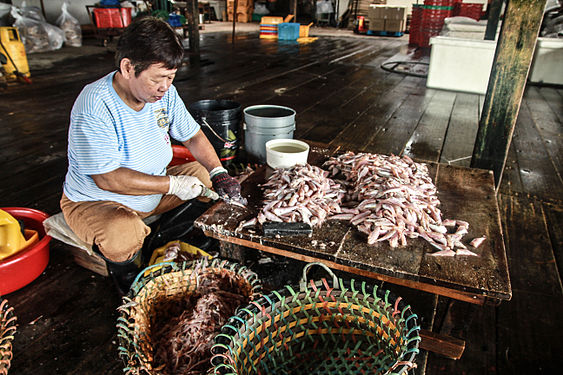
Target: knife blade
<point>239,201</point>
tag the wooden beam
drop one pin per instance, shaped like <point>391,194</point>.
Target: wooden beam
<point>511,64</point>
<point>444,345</point>
<point>192,17</point>
<point>492,23</point>
<point>234,19</point>
<point>460,295</point>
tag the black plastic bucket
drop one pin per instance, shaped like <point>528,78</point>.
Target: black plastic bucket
<point>220,122</point>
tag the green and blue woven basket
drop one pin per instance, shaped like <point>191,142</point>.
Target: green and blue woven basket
<point>325,327</point>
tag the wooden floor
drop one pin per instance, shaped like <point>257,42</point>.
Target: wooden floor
<point>67,316</point>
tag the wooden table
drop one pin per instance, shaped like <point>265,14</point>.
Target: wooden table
<point>466,194</point>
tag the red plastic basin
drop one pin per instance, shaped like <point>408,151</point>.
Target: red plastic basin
<point>23,267</point>
<point>180,155</point>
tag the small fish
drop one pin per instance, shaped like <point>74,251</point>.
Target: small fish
<point>466,252</point>
<point>476,242</point>
<point>443,253</point>
<point>449,223</point>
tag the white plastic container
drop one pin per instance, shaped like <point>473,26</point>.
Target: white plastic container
<point>460,64</point>
<point>286,153</point>
<point>547,66</point>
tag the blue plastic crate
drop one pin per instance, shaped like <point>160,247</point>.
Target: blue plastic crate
<point>288,31</point>
<point>174,20</point>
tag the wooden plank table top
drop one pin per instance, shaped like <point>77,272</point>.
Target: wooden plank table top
<point>465,194</point>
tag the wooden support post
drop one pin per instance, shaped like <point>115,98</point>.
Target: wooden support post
<point>192,17</point>
<point>492,23</point>
<point>295,10</point>
<point>513,55</point>
<point>234,20</point>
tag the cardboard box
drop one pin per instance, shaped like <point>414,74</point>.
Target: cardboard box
<point>241,17</point>
<point>387,12</point>
<point>397,26</point>
<point>377,24</point>
<point>396,13</point>
<point>376,12</point>
<point>241,10</point>
<point>241,4</point>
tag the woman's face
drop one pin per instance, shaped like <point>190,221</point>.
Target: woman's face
<point>153,82</point>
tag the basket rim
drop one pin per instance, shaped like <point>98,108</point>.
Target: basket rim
<point>166,268</point>
<point>128,333</point>
<point>233,327</point>
<point>7,330</point>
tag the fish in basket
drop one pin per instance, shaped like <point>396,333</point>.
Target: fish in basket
<point>173,311</point>
<point>7,330</point>
<point>324,327</point>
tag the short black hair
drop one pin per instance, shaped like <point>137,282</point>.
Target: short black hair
<point>148,41</point>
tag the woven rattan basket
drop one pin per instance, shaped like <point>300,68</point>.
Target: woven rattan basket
<point>156,286</point>
<point>325,327</point>
<point>7,330</point>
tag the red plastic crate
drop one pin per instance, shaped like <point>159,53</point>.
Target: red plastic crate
<point>440,3</point>
<point>471,10</point>
<point>109,18</point>
<point>434,13</point>
<point>414,28</point>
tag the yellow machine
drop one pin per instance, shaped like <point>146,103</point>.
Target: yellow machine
<point>11,238</point>
<point>12,46</point>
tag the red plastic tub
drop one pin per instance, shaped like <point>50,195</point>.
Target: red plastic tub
<point>180,155</point>
<point>23,267</point>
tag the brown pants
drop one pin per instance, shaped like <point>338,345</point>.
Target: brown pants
<point>118,230</point>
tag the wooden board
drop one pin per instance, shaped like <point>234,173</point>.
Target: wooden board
<point>466,194</point>
<point>531,344</point>
<point>427,139</point>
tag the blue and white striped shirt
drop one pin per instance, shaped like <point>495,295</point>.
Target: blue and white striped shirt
<point>106,134</point>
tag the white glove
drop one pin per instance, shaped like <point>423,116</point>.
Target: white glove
<point>185,187</point>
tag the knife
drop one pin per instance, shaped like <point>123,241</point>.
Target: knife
<point>239,201</point>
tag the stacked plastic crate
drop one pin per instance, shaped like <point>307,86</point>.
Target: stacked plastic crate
<point>471,10</point>
<point>427,20</point>
<point>434,13</point>
<point>415,25</point>
<point>288,31</point>
<point>269,27</point>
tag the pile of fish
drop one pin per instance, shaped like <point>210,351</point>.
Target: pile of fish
<point>387,197</point>
<point>302,193</point>
<point>392,198</point>
<point>184,329</point>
